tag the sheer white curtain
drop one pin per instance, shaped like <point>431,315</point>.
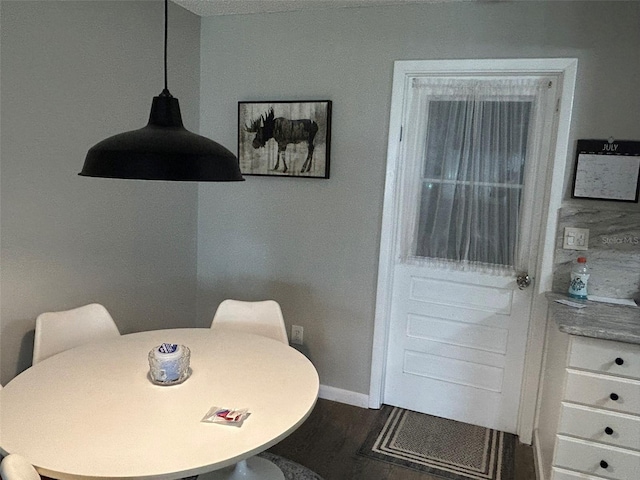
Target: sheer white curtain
<point>462,165</point>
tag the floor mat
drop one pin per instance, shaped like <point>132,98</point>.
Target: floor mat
<point>440,447</point>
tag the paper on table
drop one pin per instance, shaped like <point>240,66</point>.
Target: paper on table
<point>228,416</point>
<point>618,301</point>
<point>571,304</point>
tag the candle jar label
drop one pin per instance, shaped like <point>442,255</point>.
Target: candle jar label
<point>169,364</point>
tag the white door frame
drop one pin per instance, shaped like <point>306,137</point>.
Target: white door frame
<point>565,69</point>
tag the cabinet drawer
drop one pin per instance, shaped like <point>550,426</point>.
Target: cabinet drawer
<point>597,391</point>
<point>601,356</point>
<point>586,457</point>
<point>591,424</point>
<point>559,474</point>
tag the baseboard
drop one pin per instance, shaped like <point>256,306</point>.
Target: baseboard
<point>537,452</point>
<point>344,396</point>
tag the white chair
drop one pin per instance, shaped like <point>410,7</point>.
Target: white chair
<point>60,331</point>
<point>262,318</point>
<point>16,467</point>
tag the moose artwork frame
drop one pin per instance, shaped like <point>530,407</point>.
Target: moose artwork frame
<point>285,138</point>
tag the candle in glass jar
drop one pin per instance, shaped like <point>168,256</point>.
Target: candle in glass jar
<point>167,358</point>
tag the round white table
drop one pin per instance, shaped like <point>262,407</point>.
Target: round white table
<point>91,412</point>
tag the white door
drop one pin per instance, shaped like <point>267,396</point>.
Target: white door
<point>467,201</point>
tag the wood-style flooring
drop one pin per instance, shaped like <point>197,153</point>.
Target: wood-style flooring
<point>329,440</point>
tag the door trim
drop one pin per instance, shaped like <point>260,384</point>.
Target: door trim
<point>565,69</point>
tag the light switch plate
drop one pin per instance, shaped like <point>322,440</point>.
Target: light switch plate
<point>576,238</point>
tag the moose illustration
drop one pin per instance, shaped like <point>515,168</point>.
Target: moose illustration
<point>284,132</point>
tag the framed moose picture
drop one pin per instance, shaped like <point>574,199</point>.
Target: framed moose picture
<point>286,139</point>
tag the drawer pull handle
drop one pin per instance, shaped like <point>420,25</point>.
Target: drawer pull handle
<point>603,464</point>
<point>614,397</point>
<point>619,361</point>
<point>608,431</point>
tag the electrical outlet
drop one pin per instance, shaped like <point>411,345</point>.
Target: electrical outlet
<point>297,334</point>
<point>576,239</point>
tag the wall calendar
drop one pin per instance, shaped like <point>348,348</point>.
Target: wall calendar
<point>607,170</point>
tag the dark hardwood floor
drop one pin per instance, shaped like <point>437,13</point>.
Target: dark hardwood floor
<point>329,440</point>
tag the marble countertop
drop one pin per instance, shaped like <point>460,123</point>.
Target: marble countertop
<point>607,321</point>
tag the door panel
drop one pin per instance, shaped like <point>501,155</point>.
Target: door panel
<point>439,367</point>
<point>468,295</point>
<point>456,352</point>
<point>460,333</point>
<point>456,348</point>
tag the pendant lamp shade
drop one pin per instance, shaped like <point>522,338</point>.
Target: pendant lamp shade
<point>164,149</point>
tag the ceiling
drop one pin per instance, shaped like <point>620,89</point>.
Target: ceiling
<point>206,8</point>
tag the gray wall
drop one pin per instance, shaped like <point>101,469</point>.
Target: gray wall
<point>74,73</point>
<point>313,244</point>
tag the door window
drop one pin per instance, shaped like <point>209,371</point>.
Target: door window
<point>471,138</point>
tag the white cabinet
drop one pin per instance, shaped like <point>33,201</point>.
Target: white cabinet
<point>598,433</point>
<point>600,426</point>
<point>604,356</point>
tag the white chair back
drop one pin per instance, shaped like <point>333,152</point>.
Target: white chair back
<point>60,331</point>
<point>261,318</point>
<point>16,467</point>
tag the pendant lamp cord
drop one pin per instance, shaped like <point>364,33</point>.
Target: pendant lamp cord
<point>165,92</point>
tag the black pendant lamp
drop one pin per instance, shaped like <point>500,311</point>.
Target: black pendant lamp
<point>164,149</point>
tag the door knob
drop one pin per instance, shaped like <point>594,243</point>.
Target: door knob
<point>523,280</point>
